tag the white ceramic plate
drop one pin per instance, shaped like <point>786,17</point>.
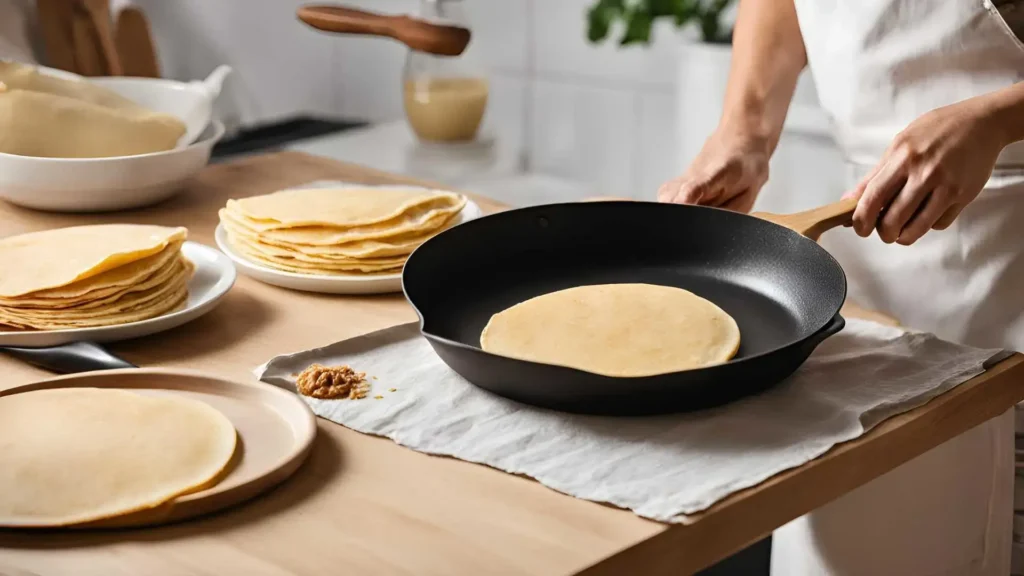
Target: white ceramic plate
<point>382,284</point>
<point>213,278</point>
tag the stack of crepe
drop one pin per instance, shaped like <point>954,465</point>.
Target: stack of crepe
<point>88,276</point>
<point>338,231</point>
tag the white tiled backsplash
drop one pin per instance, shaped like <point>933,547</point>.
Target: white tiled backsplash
<point>601,116</point>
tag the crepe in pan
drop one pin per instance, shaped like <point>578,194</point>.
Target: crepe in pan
<point>621,330</point>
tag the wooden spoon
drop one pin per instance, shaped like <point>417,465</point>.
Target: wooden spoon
<point>88,60</point>
<point>135,44</point>
<point>415,33</point>
<point>55,25</point>
<point>99,13</point>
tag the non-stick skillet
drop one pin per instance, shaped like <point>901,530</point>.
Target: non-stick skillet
<point>783,289</point>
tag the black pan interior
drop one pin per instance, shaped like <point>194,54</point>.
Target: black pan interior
<point>779,286</point>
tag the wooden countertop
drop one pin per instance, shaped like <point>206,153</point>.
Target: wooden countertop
<point>363,505</point>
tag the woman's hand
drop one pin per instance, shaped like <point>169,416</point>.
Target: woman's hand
<point>929,173</point>
<point>728,172</point>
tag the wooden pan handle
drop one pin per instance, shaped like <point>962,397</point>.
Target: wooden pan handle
<point>813,223</point>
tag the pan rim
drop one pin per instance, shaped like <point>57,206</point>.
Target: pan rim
<point>732,362</point>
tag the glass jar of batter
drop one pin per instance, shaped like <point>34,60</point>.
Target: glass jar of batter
<point>445,96</point>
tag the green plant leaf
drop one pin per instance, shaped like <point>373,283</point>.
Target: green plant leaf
<point>638,27</point>
<point>685,10</point>
<point>638,16</point>
<point>660,8</point>
<point>600,17</point>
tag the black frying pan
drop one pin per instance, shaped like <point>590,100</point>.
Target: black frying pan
<point>783,289</point>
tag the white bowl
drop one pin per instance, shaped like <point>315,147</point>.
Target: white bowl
<point>192,102</point>
<point>102,184</point>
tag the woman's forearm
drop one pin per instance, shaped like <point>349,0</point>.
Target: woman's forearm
<point>1006,111</point>
<point>768,56</point>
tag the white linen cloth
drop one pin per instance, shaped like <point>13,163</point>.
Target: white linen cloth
<point>661,467</point>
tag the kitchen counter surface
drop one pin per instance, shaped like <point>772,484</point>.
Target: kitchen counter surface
<point>363,505</point>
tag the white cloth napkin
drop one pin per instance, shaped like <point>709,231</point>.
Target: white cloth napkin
<point>661,467</point>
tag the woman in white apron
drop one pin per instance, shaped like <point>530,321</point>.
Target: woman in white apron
<point>924,104</point>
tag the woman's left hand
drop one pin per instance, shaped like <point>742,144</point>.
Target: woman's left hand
<point>929,173</point>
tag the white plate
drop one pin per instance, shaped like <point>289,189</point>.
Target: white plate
<point>213,278</point>
<point>382,284</point>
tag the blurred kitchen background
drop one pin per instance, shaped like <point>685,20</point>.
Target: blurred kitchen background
<point>566,118</point>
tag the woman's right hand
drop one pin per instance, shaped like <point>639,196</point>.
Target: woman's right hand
<point>728,173</point>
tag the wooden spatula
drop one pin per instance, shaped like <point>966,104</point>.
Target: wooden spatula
<point>99,14</point>
<point>415,33</point>
<point>135,44</point>
<point>55,24</point>
<point>88,60</point>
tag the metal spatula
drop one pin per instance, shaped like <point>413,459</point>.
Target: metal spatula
<point>69,358</point>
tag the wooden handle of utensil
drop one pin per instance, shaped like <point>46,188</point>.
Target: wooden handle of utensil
<point>55,19</point>
<point>99,13</point>
<point>813,223</point>
<point>415,33</point>
<point>135,44</point>
<point>348,20</point>
<point>88,61</point>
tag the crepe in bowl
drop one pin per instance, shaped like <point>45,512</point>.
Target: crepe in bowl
<point>46,116</point>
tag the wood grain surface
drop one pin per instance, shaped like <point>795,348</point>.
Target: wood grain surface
<point>363,505</point>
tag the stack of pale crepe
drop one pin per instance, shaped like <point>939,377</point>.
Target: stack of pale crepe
<point>75,456</point>
<point>52,117</point>
<point>88,276</point>
<point>338,231</point>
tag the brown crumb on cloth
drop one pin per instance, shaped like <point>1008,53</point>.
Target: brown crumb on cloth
<point>332,382</point>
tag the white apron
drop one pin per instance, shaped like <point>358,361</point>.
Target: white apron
<point>878,65</point>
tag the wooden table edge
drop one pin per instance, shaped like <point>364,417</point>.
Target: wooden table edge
<point>750,515</point>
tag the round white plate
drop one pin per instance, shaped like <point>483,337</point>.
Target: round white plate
<point>381,284</point>
<point>213,278</point>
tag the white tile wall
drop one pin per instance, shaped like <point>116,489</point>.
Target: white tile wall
<point>564,54</point>
<point>603,116</point>
<point>584,133</point>
<point>658,156</point>
<point>506,102</point>
<point>502,28</point>
<point>280,65</point>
